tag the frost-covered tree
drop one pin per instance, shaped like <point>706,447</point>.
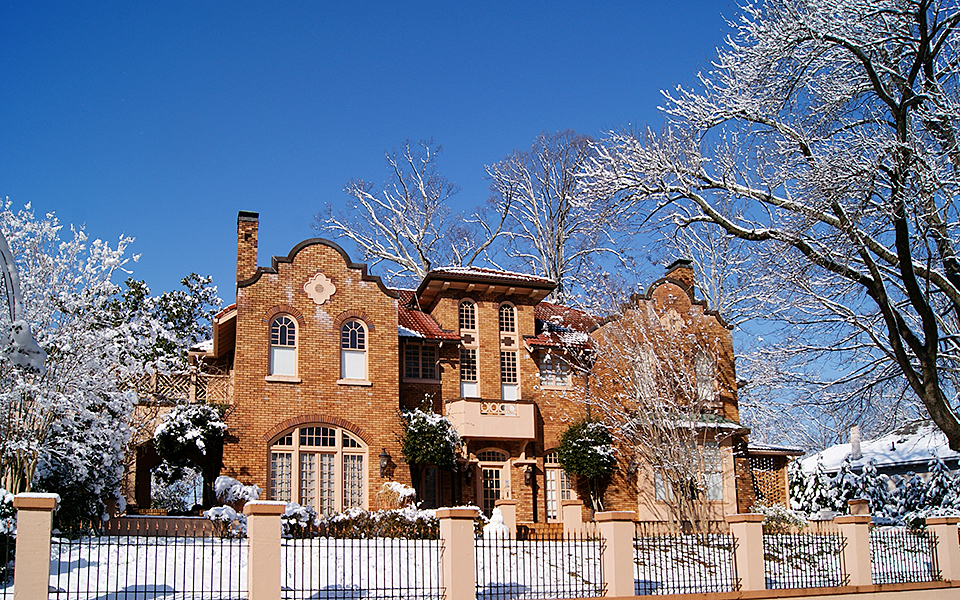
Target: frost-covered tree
<point>825,135</point>
<point>64,429</point>
<point>407,222</point>
<point>552,229</point>
<point>191,435</point>
<point>940,486</point>
<point>847,486</point>
<point>876,489</point>
<point>586,451</point>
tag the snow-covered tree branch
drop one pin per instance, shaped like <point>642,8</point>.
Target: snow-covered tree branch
<point>826,136</point>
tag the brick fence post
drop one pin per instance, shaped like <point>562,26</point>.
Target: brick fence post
<point>31,572</point>
<point>948,546</point>
<point>855,529</point>
<point>747,530</point>
<point>508,508</point>
<point>617,530</point>
<point>458,567</point>
<point>571,514</point>
<point>263,549</point>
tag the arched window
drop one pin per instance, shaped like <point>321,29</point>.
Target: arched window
<point>353,350</point>
<point>508,319</point>
<point>319,466</point>
<point>283,346</point>
<point>468,315</point>
<point>704,369</point>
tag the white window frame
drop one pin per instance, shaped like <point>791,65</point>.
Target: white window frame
<point>351,352</point>
<point>558,486</point>
<point>284,338</point>
<point>289,443</point>
<point>509,376</point>
<point>550,365</point>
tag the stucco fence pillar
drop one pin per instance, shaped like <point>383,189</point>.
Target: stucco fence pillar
<point>948,546</point>
<point>571,514</point>
<point>747,531</point>
<point>617,530</point>
<point>263,549</point>
<point>458,567</point>
<point>31,571</point>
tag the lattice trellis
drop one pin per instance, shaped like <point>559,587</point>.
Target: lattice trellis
<point>768,478</point>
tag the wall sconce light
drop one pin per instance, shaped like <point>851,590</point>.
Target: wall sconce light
<point>384,461</point>
<point>527,475</point>
<point>469,472</point>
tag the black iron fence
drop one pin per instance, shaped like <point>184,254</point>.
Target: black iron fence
<point>547,566</point>
<point>901,555</point>
<point>803,560</point>
<point>684,563</point>
<point>381,567</point>
<point>7,551</point>
<point>136,567</point>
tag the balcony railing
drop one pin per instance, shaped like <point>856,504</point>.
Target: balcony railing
<point>179,387</point>
<point>492,419</point>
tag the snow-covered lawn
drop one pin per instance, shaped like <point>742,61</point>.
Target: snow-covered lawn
<point>683,564</point>
<point>901,555</point>
<point>509,569</point>
<point>803,560</point>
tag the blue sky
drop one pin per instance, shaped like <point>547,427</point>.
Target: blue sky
<point>162,120</point>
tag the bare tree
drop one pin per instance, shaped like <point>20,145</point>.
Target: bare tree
<point>826,136</point>
<point>407,222</point>
<point>552,228</point>
<point>650,388</point>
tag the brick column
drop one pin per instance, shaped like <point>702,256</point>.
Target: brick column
<point>948,547</point>
<point>459,567</point>
<point>263,549</point>
<point>747,530</point>
<point>509,510</point>
<point>571,514</point>
<point>617,529</point>
<point>31,573</point>
<point>856,554</point>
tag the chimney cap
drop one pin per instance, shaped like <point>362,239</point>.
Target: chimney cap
<point>246,215</point>
<point>680,263</point>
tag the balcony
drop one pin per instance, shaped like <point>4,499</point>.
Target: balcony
<point>492,419</point>
<point>181,387</point>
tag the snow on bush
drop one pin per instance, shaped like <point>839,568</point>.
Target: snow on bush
<point>297,520</point>
<point>188,426</point>
<point>429,438</point>
<point>8,515</point>
<point>231,491</point>
<point>227,522</point>
<point>778,518</point>
<point>393,494</point>
<point>408,522</point>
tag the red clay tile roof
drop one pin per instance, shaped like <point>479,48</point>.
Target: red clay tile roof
<point>561,326</point>
<point>419,322</point>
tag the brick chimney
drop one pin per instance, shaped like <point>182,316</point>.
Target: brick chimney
<point>247,224</point>
<point>681,270</point>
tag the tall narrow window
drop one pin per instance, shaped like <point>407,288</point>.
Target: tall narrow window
<point>509,387</point>
<point>508,319</point>
<point>468,315</point>
<point>468,373</point>
<point>558,486</point>
<point>353,350</point>
<point>704,369</point>
<point>283,346</point>
<point>712,471</point>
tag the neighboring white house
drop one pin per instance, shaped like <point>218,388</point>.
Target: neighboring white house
<point>909,448</point>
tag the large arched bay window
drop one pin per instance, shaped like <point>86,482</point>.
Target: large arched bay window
<point>319,466</point>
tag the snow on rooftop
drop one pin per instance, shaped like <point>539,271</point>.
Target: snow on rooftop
<point>404,332</point>
<point>479,271</point>
<point>916,443</point>
<point>204,346</point>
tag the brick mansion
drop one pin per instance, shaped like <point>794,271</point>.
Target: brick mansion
<point>322,356</point>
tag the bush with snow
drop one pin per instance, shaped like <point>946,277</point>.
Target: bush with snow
<point>230,491</point>
<point>297,520</point>
<point>394,494</point>
<point>586,450</point>
<point>429,439</point>
<point>227,523</point>
<point>778,518</point>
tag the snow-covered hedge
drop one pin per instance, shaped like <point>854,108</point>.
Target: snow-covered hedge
<point>230,491</point>
<point>586,449</point>
<point>227,522</point>
<point>778,518</point>
<point>188,426</point>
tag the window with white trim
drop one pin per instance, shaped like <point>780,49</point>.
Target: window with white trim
<point>712,471</point>
<point>419,361</point>
<point>353,350</point>
<point>508,319</point>
<point>319,466</point>
<point>509,381</point>
<point>553,370</point>
<point>283,346</point>
<point>494,483</point>
<point>468,315</point>
<point>559,486</point>
<point>468,373</point>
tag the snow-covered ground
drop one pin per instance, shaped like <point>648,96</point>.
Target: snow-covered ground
<point>538,569</point>
<point>683,564</point>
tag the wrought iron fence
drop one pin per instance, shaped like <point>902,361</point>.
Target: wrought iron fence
<point>547,566</point>
<point>7,551</point>
<point>136,567</point>
<point>684,563</point>
<point>901,555</point>
<point>803,560</point>
<point>380,567</point>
